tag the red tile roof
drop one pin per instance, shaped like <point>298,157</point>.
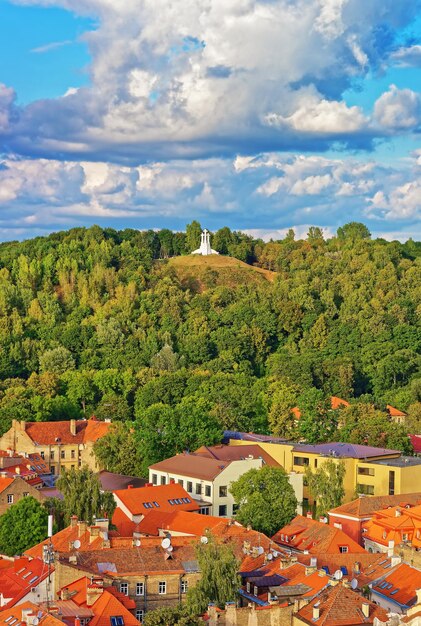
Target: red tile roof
<point>416,443</point>
<point>303,533</point>
<point>17,580</point>
<point>5,482</point>
<point>394,412</point>
<point>45,619</point>
<point>63,541</point>
<point>193,465</point>
<point>180,522</point>
<point>340,606</point>
<point>164,495</point>
<point>366,505</point>
<point>236,453</point>
<point>401,585</point>
<point>108,604</point>
<point>49,433</point>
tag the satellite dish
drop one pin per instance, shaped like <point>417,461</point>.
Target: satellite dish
<point>260,550</point>
<point>137,543</point>
<point>270,556</point>
<point>76,544</point>
<point>338,575</point>
<point>165,543</point>
<point>354,583</point>
<point>204,539</point>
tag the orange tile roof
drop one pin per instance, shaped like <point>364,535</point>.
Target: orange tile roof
<point>63,541</point>
<point>50,433</point>
<point>393,523</point>
<point>45,619</point>
<point>17,579</point>
<point>5,482</point>
<point>335,403</point>
<point>394,412</point>
<point>400,585</point>
<point>108,604</point>
<point>364,567</point>
<point>367,505</point>
<point>135,499</point>
<point>303,533</point>
<point>340,606</point>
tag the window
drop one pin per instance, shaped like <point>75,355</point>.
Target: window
<point>162,588</point>
<point>255,591</point>
<point>189,486</point>
<point>181,482</point>
<point>73,454</point>
<point>154,479</point>
<point>391,483</point>
<point>163,480</point>
<point>367,490</point>
<point>124,588</point>
<point>52,469</point>
<point>343,549</point>
<point>208,491</point>
<point>248,587</point>
<point>366,471</point>
<point>42,453</point>
<point>301,460</point>
<point>184,586</point>
<point>235,508</point>
<point>140,589</point>
<point>222,510</point>
<point>315,463</point>
<point>25,494</point>
<point>117,620</point>
<point>140,613</point>
<point>10,498</point>
<point>72,467</point>
<point>223,491</point>
<point>198,489</point>
<point>52,455</point>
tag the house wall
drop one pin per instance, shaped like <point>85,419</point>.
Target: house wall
<point>351,526</point>
<point>57,455</point>
<point>18,489</point>
<point>273,615</point>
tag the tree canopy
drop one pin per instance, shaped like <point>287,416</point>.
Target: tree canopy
<point>22,526</point>
<point>83,497</point>
<point>265,498</point>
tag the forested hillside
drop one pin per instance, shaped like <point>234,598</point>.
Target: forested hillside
<point>100,321</point>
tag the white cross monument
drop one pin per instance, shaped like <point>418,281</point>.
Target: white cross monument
<point>205,248</point>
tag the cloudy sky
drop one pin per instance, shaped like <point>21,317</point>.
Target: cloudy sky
<point>256,114</point>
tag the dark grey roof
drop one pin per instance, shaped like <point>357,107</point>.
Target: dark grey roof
<point>402,461</point>
<point>114,482</point>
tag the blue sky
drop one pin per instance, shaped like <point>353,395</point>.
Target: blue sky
<point>257,114</point>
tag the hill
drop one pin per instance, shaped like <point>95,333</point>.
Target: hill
<point>215,270</point>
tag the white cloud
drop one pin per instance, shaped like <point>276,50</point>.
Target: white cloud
<point>409,56</point>
<point>398,109</point>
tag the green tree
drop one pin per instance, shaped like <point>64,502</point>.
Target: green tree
<point>113,407</point>
<point>22,526</point>
<point>56,361</point>
<point>265,498</point>
<point>118,451</point>
<point>282,398</point>
<point>171,616</point>
<point>353,231</point>
<point>81,490</point>
<point>193,232</point>
<point>318,422</point>
<point>219,581</point>
<point>326,485</point>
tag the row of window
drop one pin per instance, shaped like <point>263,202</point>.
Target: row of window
<point>162,588</point>
<point>11,497</point>
<point>62,454</point>
<point>223,490</point>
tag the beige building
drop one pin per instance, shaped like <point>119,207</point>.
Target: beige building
<point>207,478</point>
<point>66,444</point>
<point>12,490</point>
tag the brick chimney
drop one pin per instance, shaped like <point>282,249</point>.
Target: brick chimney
<point>65,594</point>
<point>93,592</point>
<point>93,533</point>
<point>316,612</point>
<point>73,427</point>
<point>82,528</point>
<point>73,521</point>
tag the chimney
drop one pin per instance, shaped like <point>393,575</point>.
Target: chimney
<point>418,592</point>
<point>93,592</point>
<point>172,481</point>
<point>316,612</point>
<point>309,515</point>
<point>73,427</point>
<point>93,533</point>
<point>147,485</point>
<point>73,521</point>
<point>313,561</point>
<point>129,486</point>
<point>398,513</point>
<point>357,567</point>
<point>26,614</point>
<point>77,621</point>
<point>395,560</point>
<point>82,528</point>
<point>65,594</point>
<point>366,609</point>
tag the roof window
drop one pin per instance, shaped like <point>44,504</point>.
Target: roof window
<point>117,620</point>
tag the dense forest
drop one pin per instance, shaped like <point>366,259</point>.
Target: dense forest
<point>99,321</point>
